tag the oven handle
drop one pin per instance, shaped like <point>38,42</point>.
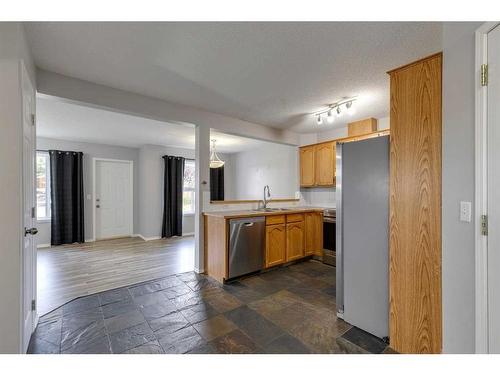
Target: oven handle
<point>329,220</point>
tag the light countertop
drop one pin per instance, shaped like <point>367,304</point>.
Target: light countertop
<point>253,213</point>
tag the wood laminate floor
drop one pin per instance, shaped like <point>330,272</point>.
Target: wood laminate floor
<point>68,272</point>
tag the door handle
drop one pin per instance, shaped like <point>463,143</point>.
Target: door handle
<point>31,231</point>
<point>248,224</point>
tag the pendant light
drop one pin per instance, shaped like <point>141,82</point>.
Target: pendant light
<point>215,161</point>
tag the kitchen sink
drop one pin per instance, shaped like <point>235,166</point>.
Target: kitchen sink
<point>273,209</point>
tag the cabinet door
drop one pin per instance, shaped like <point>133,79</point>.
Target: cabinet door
<point>325,164</point>
<point>307,160</point>
<point>313,233</point>
<point>362,127</point>
<point>275,244</point>
<point>294,241</point>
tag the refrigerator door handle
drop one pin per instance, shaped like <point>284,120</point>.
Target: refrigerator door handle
<point>338,239</point>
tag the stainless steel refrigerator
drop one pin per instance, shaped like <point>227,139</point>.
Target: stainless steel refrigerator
<point>362,196</point>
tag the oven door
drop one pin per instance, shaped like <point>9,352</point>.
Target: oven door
<point>329,238</point>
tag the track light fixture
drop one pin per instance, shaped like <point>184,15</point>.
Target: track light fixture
<point>347,104</point>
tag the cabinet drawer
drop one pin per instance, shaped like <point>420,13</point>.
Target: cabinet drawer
<point>292,218</point>
<point>275,219</point>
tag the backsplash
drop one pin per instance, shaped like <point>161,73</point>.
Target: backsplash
<point>247,206</point>
<point>319,197</point>
<point>323,197</point>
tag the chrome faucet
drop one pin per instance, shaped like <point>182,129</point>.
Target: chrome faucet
<point>268,195</point>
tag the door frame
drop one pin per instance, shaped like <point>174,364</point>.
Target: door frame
<point>131,219</point>
<point>34,313</point>
<point>481,202</point>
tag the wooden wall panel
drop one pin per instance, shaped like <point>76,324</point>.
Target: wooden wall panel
<point>415,207</point>
<point>216,243</point>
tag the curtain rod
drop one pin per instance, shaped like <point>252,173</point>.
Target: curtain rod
<point>80,151</point>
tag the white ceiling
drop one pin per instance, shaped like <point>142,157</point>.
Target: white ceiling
<point>274,74</point>
<point>64,120</point>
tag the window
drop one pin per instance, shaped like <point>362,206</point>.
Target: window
<point>42,185</point>
<point>188,194</point>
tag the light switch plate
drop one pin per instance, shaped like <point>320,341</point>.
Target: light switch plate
<point>89,197</point>
<point>465,211</point>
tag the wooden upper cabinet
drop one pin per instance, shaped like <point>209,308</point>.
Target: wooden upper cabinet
<point>362,127</point>
<point>325,164</point>
<point>317,162</point>
<point>294,241</point>
<point>313,224</point>
<point>275,244</point>
<point>307,159</point>
<point>415,323</point>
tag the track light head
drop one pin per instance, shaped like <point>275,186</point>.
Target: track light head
<point>329,117</point>
<point>350,108</point>
<point>319,120</point>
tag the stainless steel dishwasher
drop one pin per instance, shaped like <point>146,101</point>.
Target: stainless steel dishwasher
<point>246,245</point>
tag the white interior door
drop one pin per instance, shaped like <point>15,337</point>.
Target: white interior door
<point>29,248</point>
<point>493,190</point>
<point>113,198</point>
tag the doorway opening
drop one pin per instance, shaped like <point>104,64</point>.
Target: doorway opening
<point>101,214</point>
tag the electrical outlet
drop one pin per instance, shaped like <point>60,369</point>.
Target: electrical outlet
<point>465,211</point>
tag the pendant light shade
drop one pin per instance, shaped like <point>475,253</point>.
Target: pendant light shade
<point>215,161</point>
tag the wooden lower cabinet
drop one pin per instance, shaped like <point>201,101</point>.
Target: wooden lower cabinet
<point>313,224</point>
<point>275,244</point>
<point>301,236</point>
<point>294,241</point>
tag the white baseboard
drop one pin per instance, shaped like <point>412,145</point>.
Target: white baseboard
<point>42,245</point>
<point>90,240</point>
<point>198,270</point>
<point>158,237</point>
<point>147,238</point>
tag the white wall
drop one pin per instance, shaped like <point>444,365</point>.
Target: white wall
<point>148,184</point>
<point>90,151</point>
<point>13,50</point>
<point>151,169</point>
<point>272,164</point>
<point>458,184</point>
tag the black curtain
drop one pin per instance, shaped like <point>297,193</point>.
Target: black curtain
<point>172,196</point>
<point>217,184</point>
<point>66,193</point>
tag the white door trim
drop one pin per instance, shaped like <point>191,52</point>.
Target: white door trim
<point>131,219</point>
<point>481,207</point>
<point>24,341</point>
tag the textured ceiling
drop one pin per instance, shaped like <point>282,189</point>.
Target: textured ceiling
<point>63,120</point>
<point>273,74</point>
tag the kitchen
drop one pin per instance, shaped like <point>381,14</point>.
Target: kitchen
<point>385,184</point>
<point>283,229</point>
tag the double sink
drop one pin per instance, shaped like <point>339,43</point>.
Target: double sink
<point>273,209</point>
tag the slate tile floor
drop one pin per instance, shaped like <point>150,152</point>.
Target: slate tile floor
<point>286,310</point>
